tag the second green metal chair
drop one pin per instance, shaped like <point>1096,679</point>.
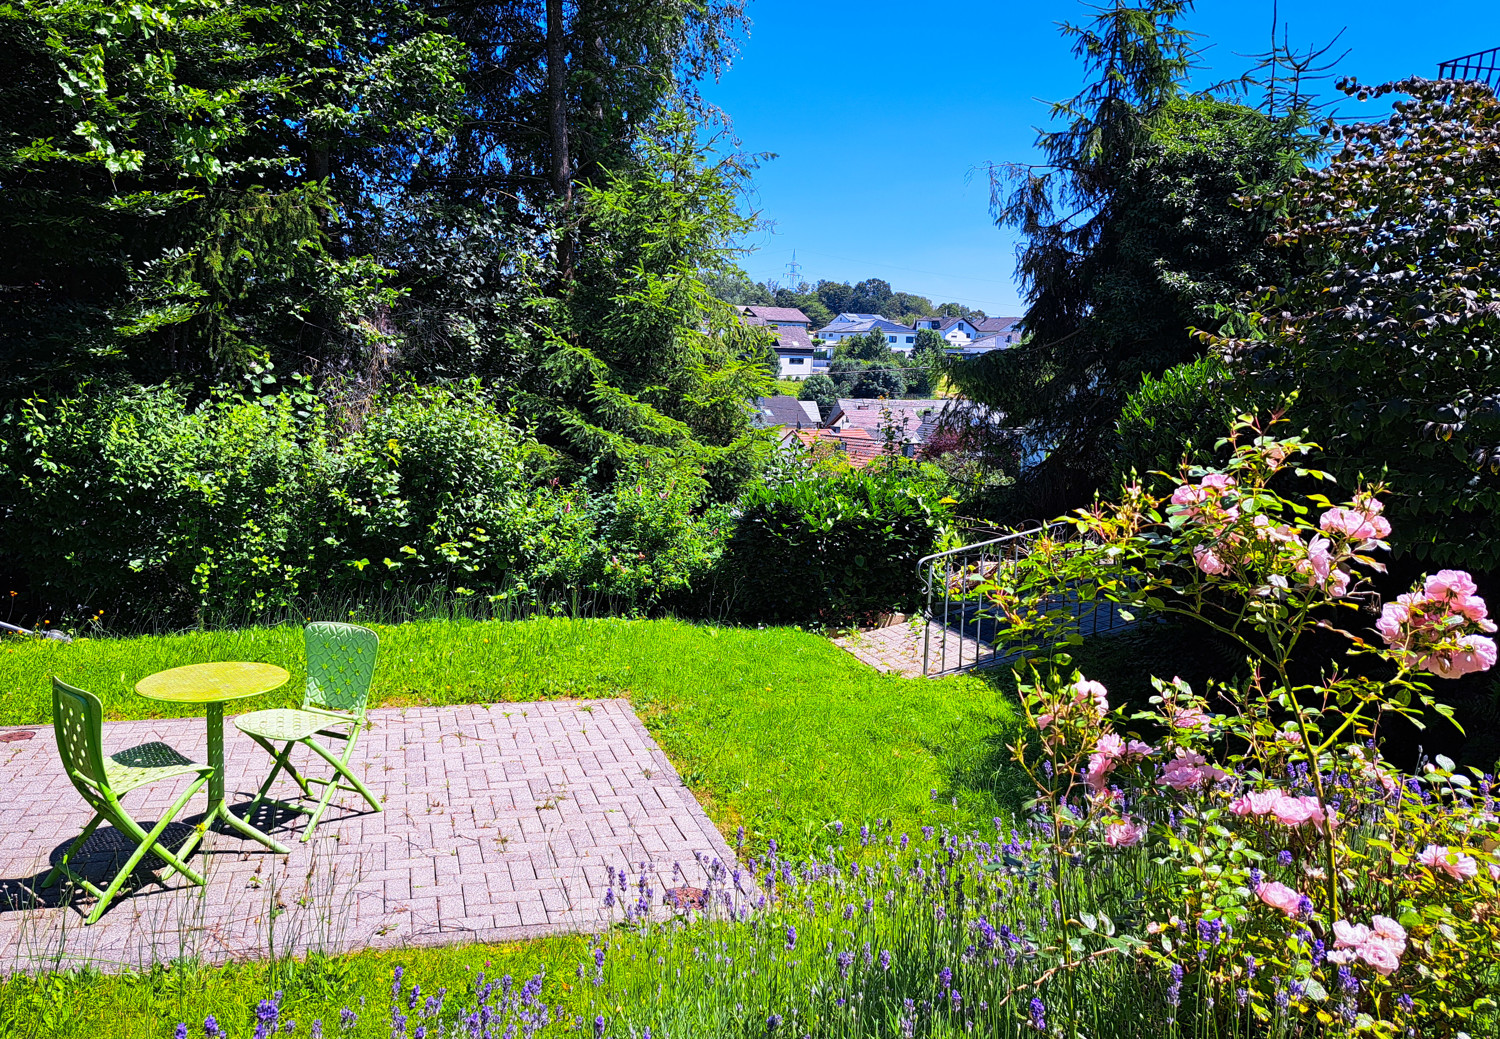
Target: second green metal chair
<point>340,666</point>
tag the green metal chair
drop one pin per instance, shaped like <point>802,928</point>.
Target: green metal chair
<point>340,665</point>
<point>78,719</point>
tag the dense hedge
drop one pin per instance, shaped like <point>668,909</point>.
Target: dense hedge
<point>140,505</point>
<point>832,550</point>
<point>1181,414</point>
<point>161,512</point>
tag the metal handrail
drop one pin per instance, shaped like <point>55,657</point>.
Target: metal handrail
<point>968,566</point>
<point>1481,66</point>
<point>927,568</point>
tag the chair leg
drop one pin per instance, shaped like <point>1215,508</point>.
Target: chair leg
<point>282,762</point>
<point>61,867</point>
<point>341,768</point>
<point>177,861</point>
<point>147,842</point>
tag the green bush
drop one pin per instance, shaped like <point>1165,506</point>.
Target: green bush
<point>137,504</point>
<point>832,549</point>
<point>1181,413</point>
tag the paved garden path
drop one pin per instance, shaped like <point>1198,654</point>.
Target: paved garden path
<point>500,822</point>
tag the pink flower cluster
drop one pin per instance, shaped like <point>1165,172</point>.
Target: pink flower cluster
<point>1203,498</point>
<point>1286,809</point>
<point>1189,769</point>
<point>1380,945</point>
<point>1442,859</point>
<point>1423,625</point>
<point>1360,524</point>
<point>1112,751</point>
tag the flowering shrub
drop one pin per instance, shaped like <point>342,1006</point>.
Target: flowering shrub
<point>1315,885</point>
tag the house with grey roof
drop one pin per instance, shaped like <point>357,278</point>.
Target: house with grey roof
<point>771,412</point>
<point>899,337</point>
<point>957,330</point>
<point>794,351</point>
<point>1008,328</point>
<point>776,317</point>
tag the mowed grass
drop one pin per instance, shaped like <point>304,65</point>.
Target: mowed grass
<point>774,729</point>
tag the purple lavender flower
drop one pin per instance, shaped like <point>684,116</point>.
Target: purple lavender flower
<point>1406,1003</point>
<point>267,1012</point>
<point>347,1019</point>
<point>927,833</point>
<point>1038,1014</point>
<point>885,959</point>
<point>1347,981</point>
<point>1284,857</point>
<point>845,961</point>
<point>317,1028</point>
<point>838,828</point>
<point>955,1000</point>
<point>1304,907</point>
<point>1256,876</point>
<point>791,937</point>
<point>211,1027</point>
<point>773,1022</point>
<point>1174,990</point>
<point>598,1024</point>
<point>181,1031</point>
<point>864,836</point>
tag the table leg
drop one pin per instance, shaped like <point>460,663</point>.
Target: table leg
<point>216,807</point>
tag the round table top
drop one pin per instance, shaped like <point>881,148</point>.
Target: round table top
<point>211,683</point>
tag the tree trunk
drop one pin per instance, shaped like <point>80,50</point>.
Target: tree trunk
<point>557,100</point>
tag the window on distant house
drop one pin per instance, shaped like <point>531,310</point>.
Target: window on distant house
<point>907,450</point>
<point>891,338</point>
<point>797,360</point>
<point>910,339</point>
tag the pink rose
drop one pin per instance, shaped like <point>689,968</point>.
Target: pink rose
<point>1441,859</point>
<point>1279,896</point>
<point>1474,653</point>
<point>1393,618</point>
<point>1190,718</point>
<point>1044,720</point>
<point>1110,746</point>
<point>1188,769</point>
<point>1256,802</point>
<point>1084,691</point>
<point>1450,584</point>
<point>1379,945</point>
<point>1124,834</point>
<point>1097,773</point>
<point>1359,524</point>
<point>1208,561</point>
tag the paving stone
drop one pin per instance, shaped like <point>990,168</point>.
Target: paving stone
<point>564,782</point>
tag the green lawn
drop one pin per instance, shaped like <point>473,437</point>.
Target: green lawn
<point>774,729</point>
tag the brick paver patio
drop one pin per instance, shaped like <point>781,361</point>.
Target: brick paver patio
<point>500,822</point>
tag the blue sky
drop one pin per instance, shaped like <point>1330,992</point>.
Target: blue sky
<point>879,111</point>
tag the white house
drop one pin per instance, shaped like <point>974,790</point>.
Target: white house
<point>899,337</point>
<point>795,352</point>
<point>959,331</point>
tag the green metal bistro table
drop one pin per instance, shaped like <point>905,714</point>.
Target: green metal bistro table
<point>213,685</point>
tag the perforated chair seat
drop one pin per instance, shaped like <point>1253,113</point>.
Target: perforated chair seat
<point>147,763</point>
<point>284,723</point>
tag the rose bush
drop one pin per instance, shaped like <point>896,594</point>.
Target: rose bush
<point>1312,888</point>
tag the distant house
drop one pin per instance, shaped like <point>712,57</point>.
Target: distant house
<point>857,444</point>
<point>899,337</point>
<point>776,317</point>
<point>907,418</point>
<point>1009,328</point>
<point>771,412</point>
<point>957,330</point>
<point>794,350</point>
<point>985,344</point>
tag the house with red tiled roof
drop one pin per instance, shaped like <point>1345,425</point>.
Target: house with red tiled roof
<point>857,445</point>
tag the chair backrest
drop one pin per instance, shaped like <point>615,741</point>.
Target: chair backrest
<point>78,721</point>
<point>340,665</point>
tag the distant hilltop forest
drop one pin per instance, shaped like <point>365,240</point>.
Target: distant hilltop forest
<point>822,301</point>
